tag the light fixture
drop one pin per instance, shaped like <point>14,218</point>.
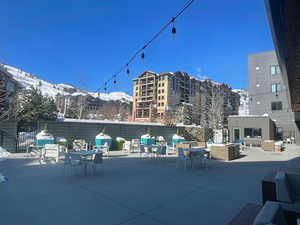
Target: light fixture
<point>127,70</point>
<point>143,56</point>
<point>173,28</point>
<point>115,81</point>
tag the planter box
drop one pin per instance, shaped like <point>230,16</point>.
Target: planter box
<point>268,145</point>
<point>225,152</point>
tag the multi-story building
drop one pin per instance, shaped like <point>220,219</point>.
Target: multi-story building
<point>8,88</point>
<point>268,93</point>
<point>156,95</point>
<point>244,101</point>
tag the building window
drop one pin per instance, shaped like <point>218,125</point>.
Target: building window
<point>136,94</point>
<point>252,132</point>
<point>158,104</point>
<point>276,88</point>
<point>158,91</point>
<point>276,105</point>
<point>163,90</point>
<point>158,97</point>
<point>162,104</point>
<point>275,70</point>
<point>162,97</point>
<point>137,88</point>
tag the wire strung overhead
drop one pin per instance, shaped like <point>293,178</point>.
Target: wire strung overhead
<point>141,51</point>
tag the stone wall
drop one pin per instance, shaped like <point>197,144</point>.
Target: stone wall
<point>88,130</point>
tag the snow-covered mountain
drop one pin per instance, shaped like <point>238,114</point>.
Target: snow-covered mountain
<point>244,101</point>
<point>27,80</point>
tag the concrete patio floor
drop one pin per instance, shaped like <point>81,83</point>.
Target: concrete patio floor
<point>134,191</point>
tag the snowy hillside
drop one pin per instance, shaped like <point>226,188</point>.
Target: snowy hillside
<point>244,102</point>
<point>27,80</point>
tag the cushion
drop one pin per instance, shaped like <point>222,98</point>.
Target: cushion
<point>283,193</point>
<point>271,213</point>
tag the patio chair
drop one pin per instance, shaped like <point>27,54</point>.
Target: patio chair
<point>50,152</point>
<point>105,149</point>
<point>96,160</point>
<point>201,156</point>
<point>80,145</point>
<point>127,146</point>
<point>142,151</point>
<point>182,158</point>
<point>135,145</point>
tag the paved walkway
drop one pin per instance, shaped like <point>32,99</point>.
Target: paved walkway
<point>134,191</point>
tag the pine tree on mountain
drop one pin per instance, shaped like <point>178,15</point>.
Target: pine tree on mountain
<point>33,106</point>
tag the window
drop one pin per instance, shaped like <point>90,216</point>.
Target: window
<point>137,88</point>
<point>252,132</point>
<point>276,88</point>
<point>276,105</point>
<point>275,69</point>
<point>162,104</point>
<point>162,97</point>
<point>136,94</point>
<point>163,91</point>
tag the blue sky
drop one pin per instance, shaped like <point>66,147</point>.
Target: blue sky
<point>84,42</point>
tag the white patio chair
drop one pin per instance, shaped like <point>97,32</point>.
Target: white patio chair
<point>105,149</point>
<point>135,145</point>
<point>80,145</point>
<point>127,146</point>
<point>50,152</point>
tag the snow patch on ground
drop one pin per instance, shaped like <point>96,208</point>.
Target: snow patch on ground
<point>3,154</point>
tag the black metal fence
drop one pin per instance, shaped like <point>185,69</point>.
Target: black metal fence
<point>26,136</point>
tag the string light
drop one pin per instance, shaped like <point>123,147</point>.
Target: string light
<point>127,70</point>
<point>173,28</point>
<point>143,56</point>
<point>141,50</point>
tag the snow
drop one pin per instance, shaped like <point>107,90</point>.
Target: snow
<point>244,101</point>
<point>103,136</point>
<point>177,137</point>
<point>44,135</point>
<point>110,122</point>
<point>2,178</point>
<point>27,80</point>
<point>3,154</point>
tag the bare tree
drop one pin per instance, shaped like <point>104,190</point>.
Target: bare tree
<point>212,113</point>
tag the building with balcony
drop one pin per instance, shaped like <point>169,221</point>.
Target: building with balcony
<point>157,95</point>
<point>8,88</point>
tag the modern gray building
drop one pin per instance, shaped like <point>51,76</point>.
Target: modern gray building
<point>268,93</point>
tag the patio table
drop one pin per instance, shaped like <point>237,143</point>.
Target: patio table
<point>193,152</point>
<point>85,154</point>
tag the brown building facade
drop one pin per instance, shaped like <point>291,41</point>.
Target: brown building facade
<point>158,96</point>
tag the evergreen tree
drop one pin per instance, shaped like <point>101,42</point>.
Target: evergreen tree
<point>33,106</point>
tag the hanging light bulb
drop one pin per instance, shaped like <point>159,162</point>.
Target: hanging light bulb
<point>173,28</point>
<point>127,70</point>
<point>105,88</point>
<point>143,56</point>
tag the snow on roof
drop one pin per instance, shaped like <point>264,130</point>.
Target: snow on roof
<point>68,120</point>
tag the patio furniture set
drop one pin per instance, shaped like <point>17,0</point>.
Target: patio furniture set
<point>281,202</point>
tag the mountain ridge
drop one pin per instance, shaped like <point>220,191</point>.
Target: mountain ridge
<point>28,80</point>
